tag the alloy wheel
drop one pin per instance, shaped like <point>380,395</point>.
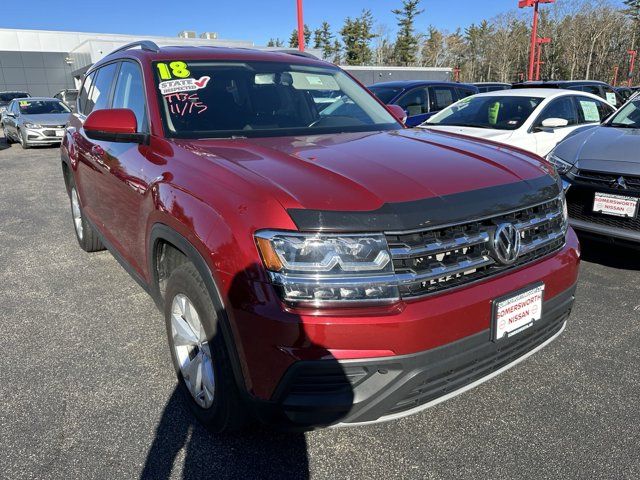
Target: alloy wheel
<point>77,213</point>
<point>192,350</point>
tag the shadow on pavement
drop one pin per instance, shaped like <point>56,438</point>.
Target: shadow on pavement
<point>252,454</point>
<point>610,254</point>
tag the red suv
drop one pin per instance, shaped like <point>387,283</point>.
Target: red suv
<point>316,262</point>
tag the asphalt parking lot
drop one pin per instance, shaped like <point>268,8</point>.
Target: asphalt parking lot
<point>87,387</point>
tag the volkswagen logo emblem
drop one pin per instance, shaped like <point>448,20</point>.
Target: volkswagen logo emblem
<point>620,183</point>
<point>506,243</point>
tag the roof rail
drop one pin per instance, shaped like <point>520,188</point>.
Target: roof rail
<point>297,53</point>
<point>147,45</point>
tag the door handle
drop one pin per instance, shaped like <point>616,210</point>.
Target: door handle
<point>99,154</point>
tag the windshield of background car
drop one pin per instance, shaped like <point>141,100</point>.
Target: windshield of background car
<point>258,99</point>
<point>38,107</point>
<point>628,116</point>
<point>385,94</point>
<point>7,97</point>
<point>495,112</point>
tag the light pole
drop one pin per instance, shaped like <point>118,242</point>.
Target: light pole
<point>300,27</point>
<point>632,64</point>
<point>540,42</point>
<point>534,30</point>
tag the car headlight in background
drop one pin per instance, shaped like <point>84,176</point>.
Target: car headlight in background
<point>562,167</point>
<point>323,269</point>
<point>32,125</point>
<point>565,212</point>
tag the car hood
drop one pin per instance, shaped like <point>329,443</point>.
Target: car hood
<point>47,118</point>
<point>488,133</point>
<point>605,149</point>
<point>365,171</point>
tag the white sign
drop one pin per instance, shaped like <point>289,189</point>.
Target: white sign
<point>611,98</point>
<point>515,314</point>
<point>183,85</point>
<point>616,205</point>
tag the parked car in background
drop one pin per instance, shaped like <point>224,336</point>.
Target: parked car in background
<point>484,87</point>
<point>624,92</point>
<point>69,97</point>
<point>315,264</point>
<point>601,89</point>
<point>601,167</point>
<point>6,97</point>
<point>35,121</point>
<point>421,99</point>
<point>533,119</point>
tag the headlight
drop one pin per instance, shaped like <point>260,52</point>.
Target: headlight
<point>322,269</point>
<point>565,212</point>
<point>562,166</point>
<point>32,125</point>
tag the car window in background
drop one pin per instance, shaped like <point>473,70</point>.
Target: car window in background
<point>627,117</point>
<point>610,95</point>
<point>129,93</point>
<point>441,97</point>
<point>39,107</point>
<point>464,93</point>
<point>84,93</point>
<point>99,94</point>
<point>592,111</point>
<point>562,107</point>
<point>414,102</point>
<point>7,97</point>
<point>385,94</point>
<point>500,113</point>
<point>71,96</point>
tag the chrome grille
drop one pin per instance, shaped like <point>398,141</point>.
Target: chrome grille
<point>432,260</point>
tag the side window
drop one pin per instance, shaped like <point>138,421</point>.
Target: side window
<point>16,108</point>
<point>129,93</point>
<point>440,98</point>
<point>562,107</point>
<point>414,102</point>
<point>610,96</point>
<point>99,94</point>
<point>464,93</point>
<point>592,111</point>
<point>84,92</point>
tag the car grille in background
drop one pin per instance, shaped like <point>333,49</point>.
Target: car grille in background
<point>429,261</point>
<point>580,203</point>
<point>49,133</point>
<point>605,180</point>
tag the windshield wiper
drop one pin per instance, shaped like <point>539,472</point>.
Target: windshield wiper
<point>622,125</point>
<point>472,125</point>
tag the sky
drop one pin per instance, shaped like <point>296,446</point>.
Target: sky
<point>252,20</point>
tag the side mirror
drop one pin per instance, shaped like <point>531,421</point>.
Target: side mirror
<point>398,113</point>
<point>10,114</point>
<point>114,125</point>
<point>555,122</point>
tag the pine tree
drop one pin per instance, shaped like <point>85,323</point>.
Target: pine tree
<point>275,42</point>
<point>293,39</point>
<point>356,36</point>
<point>406,46</point>
<point>323,40</point>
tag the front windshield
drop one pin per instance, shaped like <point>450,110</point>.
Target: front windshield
<point>494,112</point>
<point>385,94</point>
<point>628,116</point>
<point>37,107</point>
<point>258,99</point>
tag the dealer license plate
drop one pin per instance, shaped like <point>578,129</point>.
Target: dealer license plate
<point>59,133</point>
<point>516,312</point>
<point>616,205</point>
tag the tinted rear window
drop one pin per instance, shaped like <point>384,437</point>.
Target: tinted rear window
<point>7,97</point>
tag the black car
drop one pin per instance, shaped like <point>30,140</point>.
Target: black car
<point>492,86</point>
<point>602,89</point>
<point>625,92</point>
<point>6,97</point>
<point>421,99</point>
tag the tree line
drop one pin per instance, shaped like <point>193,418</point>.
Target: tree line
<point>589,39</point>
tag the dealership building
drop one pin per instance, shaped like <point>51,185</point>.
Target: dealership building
<point>43,62</point>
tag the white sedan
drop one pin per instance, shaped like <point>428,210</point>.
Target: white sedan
<point>534,119</point>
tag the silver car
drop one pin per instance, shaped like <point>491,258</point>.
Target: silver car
<point>35,121</point>
<point>600,167</point>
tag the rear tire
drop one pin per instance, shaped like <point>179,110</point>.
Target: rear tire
<point>199,353</point>
<point>85,234</point>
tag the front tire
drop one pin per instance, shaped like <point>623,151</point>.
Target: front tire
<point>199,354</point>
<point>23,140</point>
<point>85,234</point>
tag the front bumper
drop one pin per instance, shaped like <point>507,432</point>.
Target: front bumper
<point>381,389</point>
<point>43,136</point>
